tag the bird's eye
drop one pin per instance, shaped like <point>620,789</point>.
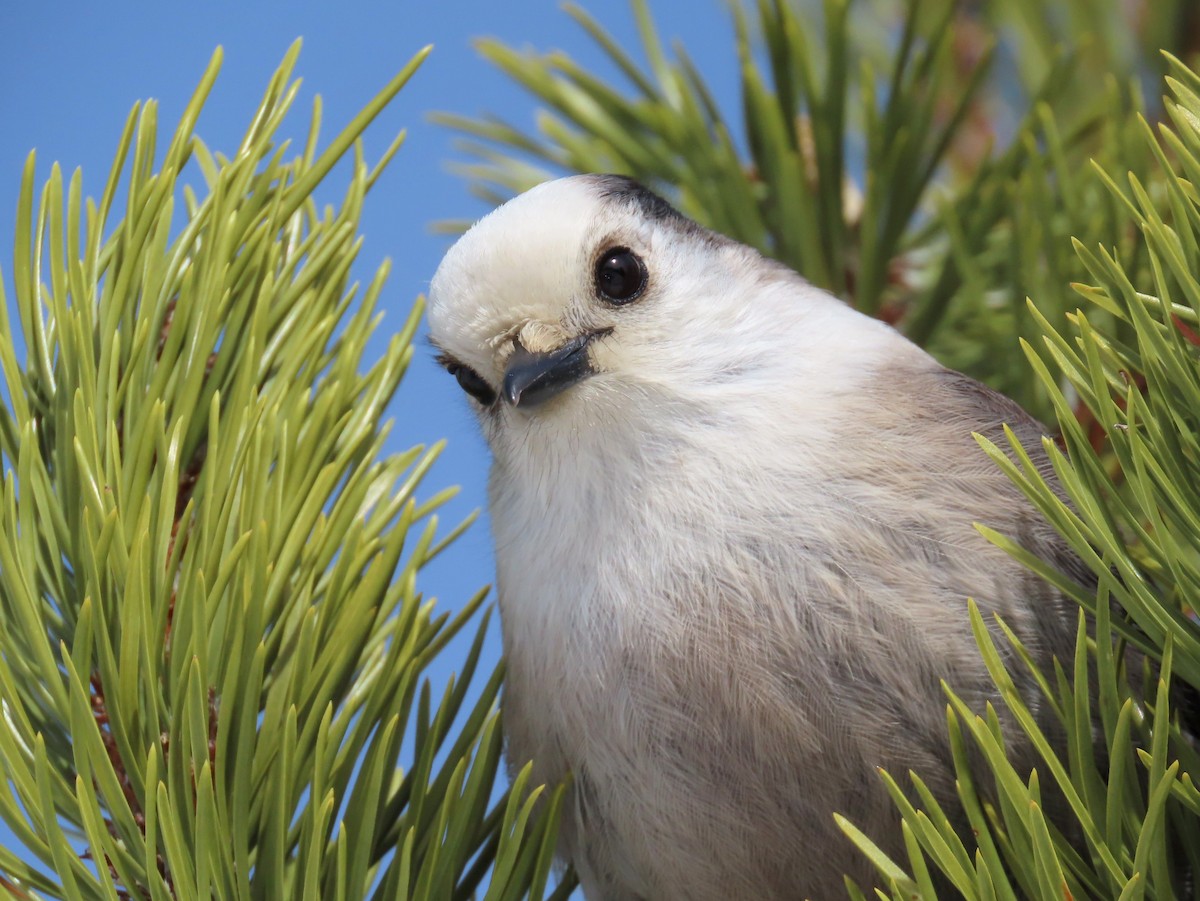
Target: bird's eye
<point>472,383</point>
<point>620,275</point>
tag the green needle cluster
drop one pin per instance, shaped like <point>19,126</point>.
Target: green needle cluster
<point>213,644</point>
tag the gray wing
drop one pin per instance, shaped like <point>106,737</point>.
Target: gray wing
<point>987,412</point>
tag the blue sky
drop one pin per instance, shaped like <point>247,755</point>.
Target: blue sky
<point>70,72</point>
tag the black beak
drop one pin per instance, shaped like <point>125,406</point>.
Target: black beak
<point>532,379</point>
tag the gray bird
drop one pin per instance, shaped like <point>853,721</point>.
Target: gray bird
<point>733,522</point>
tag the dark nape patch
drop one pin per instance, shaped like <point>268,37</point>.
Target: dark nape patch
<point>652,206</point>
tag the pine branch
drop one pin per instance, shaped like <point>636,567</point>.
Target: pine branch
<point>214,645</point>
<point>1133,519</point>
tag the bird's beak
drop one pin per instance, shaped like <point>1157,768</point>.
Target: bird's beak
<point>532,379</point>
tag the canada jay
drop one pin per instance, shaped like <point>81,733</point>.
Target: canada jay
<point>734,538</point>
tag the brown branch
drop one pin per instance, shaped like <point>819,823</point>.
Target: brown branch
<point>188,479</point>
<point>13,889</point>
<point>100,715</point>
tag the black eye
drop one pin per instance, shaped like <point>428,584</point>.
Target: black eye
<point>620,275</point>
<point>472,383</point>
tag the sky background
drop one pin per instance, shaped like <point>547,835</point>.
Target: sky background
<point>70,72</point>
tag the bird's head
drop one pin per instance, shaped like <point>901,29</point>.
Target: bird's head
<point>587,292</point>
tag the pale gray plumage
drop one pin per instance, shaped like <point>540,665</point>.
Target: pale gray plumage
<point>734,540</point>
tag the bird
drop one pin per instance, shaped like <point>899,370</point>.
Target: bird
<point>734,532</point>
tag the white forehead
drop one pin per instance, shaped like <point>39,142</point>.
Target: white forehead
<point>520,262</point>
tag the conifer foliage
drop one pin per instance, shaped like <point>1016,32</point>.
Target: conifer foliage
<point>212,643</point>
